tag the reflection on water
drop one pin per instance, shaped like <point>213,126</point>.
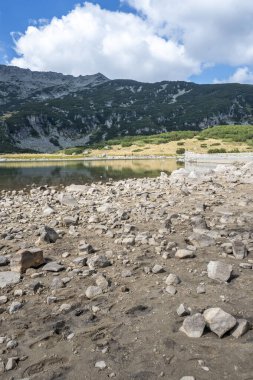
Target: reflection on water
<point>17,175</point>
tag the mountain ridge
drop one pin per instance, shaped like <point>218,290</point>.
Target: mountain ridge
<point>47,111</point>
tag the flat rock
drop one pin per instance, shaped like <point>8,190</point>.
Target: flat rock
<point>193,326</point>
<point>217,270</point>
<point>53,267</point>
<point>182,310</point>
<point>171,290</point>
<point>184,254</point>
<point>219,321</point>
<point>9,278</point>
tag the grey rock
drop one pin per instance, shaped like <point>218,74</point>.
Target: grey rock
<point>219,271</point>
<point>70,220</point>
<point>184,254</point>
<point>193,326</point>
<point>242,326</point>
<point>171,290</point>
<point>182,310</point>
<point>48,235</point>
<point>239,249</point>
<point>11,364</point>
<point>201,240</point>
<point>57,283</point>
<point>53,267</point>
<point>9,278</point>
<point>67,200</point>
<point>4,261</point>
<point>15,306</point>
<point>98,261</point>
<point>172,279</point>
<point>201,289</point>
<point>126,273</point>
<point>219,321</point>
<point>157,269</point>
<point>93,291</point>
<point>3,300</point>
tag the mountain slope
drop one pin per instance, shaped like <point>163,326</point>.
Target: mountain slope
<point>48,111</point>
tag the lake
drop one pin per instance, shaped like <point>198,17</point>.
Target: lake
<point>17,175</point>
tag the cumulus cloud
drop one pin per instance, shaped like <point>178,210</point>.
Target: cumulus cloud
<point>241,75</point>
<point>90,39</point>
<point>162,39</point>
<point>211,31</point>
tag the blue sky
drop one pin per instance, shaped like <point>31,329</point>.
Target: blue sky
<point>146,40</point>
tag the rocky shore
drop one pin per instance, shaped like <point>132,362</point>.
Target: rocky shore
<point>139,279</point>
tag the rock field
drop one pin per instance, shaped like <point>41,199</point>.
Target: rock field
<point>139,279</point>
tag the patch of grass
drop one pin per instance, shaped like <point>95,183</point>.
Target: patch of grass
<point>221,150</point>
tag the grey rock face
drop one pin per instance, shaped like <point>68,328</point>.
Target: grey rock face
<point>219,271</point>
<point>98,261</point>
<point>193,326</point>
<point>219,321</point>
<point>4,261</point>
<point>9,278</point>
<point>172,279</point>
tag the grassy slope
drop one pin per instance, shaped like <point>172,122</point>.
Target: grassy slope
<point>224,138</point>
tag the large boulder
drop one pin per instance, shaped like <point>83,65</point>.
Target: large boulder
<point>27,258</point>
<point>219,271</point>
<point>219,321</point>
<point>194,325</point>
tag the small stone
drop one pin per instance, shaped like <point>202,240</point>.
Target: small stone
<point>47,211</point>
<point>182,310</point>
<point>246,265</point>
<point>126,273</point>
<point>14,307</point>
<point>47,235</point>
<point>51,300</point>
<point>157,269</point>
<point>85,248</point>
<point>57,283</point>
<point>172,279</point>
<point>100,365</point>
<point>193,326</point>
<point>184,254</point>
<point>93,291</point>
<point>187,378</point>
<point>4,261</point>
<point>102,282</point>
<point>171,290</point>
<point>11,364</point>
<point>201,289</point>
<point>12,344</point>
<point>3,300</point>
<point>65,307</point>
<point>241,328</point>
<point>70,220</point>
<point>219,321</point>
<point>53,267</point>
<point>65,255</point>
<point>219,271</point>
<point>98,261</point>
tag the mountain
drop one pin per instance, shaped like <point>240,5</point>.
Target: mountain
<point>46,111</point>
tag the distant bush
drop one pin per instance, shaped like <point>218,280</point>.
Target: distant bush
<point>180,143</point>
<point>221,150</point>
<point>137,150</point>
<point>203,145</point>
<point>180,151</point>
<point>215,144</point>
<point>126,144</point>
<point>236,150</point>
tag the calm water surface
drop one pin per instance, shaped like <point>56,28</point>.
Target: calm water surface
<point>17,175</point>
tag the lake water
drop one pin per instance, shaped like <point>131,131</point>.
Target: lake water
<point>17,175</point>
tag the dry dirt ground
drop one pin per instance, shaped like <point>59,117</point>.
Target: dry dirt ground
<point>132,325</point>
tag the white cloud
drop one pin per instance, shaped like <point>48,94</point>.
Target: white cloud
<point>90,39</point>
<point>165,39</point>
<point>213,31</point>
<point>241,75</point>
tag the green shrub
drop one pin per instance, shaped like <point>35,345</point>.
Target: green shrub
<point>180,143</point>
<point>180,151</point>
<point>203,145</point>
<point>215,144</point>
<point>221,150</point>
